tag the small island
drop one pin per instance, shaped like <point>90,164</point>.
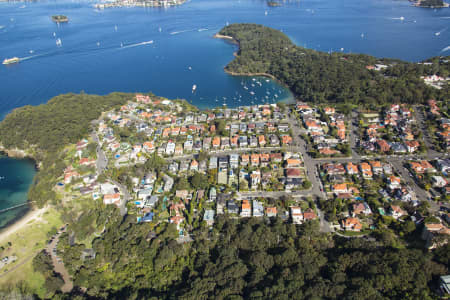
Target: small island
<point>139,3</point>
<point>273,3</point>
<point>430,3</point>
<point>60,19</point>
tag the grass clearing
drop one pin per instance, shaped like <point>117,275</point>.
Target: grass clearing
<point>25,244</point>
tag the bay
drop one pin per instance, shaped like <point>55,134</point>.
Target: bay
<point>15,178</point>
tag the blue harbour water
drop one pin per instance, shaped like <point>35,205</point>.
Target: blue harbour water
<point>15,179</point>
<point>103,51</point>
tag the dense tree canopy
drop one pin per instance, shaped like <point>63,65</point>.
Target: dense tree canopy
<point>330,77</point>
<point>63,120</point>
<point>250,259</point>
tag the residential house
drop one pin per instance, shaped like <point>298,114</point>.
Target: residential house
<point>209,217</point>
<point>258,209</point>
<point>394,182</point>
<point>244,159</point>
<point>361,208</point>
<point>340,188</point>
<point>351,224</point>
<point>170,147</point>
<point>383,146</point>
<point>271,211</point>
<point>293,173</point>
<point>246,210</point>
<point>296,215</point>
<point>309,214</point>
<point>366,170</point>
<point>168,183</point>
<point>396,211</point>
<point>234,161</point>
<point>254,160</point>
<point>194,165</point>
<point>351,168</point>
<point>111,199</point>
<point>438,181</point>
<point>213,162</point>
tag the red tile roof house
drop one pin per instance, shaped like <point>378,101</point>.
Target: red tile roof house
<point>396,211</point>
<point>361,208</point>
<point>87,162</point>
<point>271,211</point>
<point>383,145</point>
<point>412,146</point>
<point>309,214</point>
<point>352,224</point>
<point>293,173</point>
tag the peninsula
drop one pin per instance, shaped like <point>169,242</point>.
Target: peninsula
<point>148,197</point>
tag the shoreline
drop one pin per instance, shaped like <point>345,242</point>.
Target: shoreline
<point>232,40</point>
<point>29,216</point>
<point>17,221</point>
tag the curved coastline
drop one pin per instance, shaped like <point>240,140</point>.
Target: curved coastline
<point>28,211</point>
<point>234,41</point>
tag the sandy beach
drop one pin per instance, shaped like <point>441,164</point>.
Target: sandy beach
<point>22,223</point>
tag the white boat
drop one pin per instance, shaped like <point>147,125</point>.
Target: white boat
<point>402,18</point>
<point>252,93</point>
<point>115,28</point>
<point>265,13</point>
<point>31,51</point>
<point>159,29</point>
<point>54,34</point>
<point>194,87</point>
<point>58,42</point>
<point>9,61</point>
<point>98,44</point>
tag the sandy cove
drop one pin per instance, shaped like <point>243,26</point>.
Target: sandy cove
<point>29,217</point>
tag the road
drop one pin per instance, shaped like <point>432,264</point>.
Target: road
<point>125,197</point>
<point>102,160</point>
<point>420,117</point>
<point>58,264</point>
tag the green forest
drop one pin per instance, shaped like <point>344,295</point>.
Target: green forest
<point>331,77</point>
<point>46,129</point>
<point>247,259</point>
<point>63,120</point>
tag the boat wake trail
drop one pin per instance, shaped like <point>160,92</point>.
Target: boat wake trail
<point>33,56</point>
<point>181,31</point>
<point>446,49</point>
<point>439,32</point>
<point>137,44</point>
<point>399,18</point>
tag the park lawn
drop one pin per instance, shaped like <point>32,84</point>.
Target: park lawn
<point>25,244</point>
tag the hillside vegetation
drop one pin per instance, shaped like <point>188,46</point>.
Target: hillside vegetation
<point>336,77</point>
<point>62,121</point>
